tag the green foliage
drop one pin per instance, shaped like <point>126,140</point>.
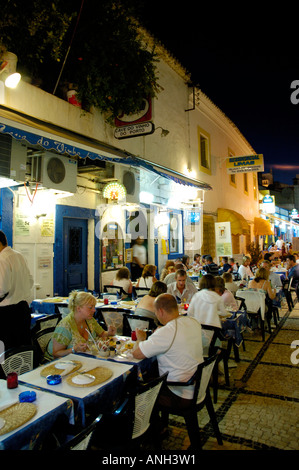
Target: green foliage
<point>255,252</point>
<point>108,61</point>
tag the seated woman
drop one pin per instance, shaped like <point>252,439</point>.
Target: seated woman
<point>261,282</point>
<point>229,283</point>
<point>166,270</point>
<point>145,305</point>
<point>226,295</point>
<point>147,278</point>
<point>186,262</point>
<point>72,333</point>
<point>122,279</point>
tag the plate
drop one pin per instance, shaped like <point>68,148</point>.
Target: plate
<point>83,379</point>
<point>99,374</point>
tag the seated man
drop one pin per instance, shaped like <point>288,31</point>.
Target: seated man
<point>180,289</point>
<point>293,271</point>
<point>178,347</point>
<point>210,267</point>
<point>171,276</point>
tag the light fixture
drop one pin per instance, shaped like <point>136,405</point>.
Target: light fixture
<point>114,191</point>
<point>8,68</point>
<point>164,132</point>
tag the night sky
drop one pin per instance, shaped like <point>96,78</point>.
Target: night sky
<point>245,61</point>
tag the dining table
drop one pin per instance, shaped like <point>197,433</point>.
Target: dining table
<point>27,425</point>
<point>84,395</point>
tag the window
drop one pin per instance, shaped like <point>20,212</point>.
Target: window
<point>246,183</point>
<point>232,177</point>
<point>204,150</point>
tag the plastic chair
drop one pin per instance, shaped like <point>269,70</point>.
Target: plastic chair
<point>133,321</point>
<point>201,398</point>
<point>115,290</point>
<point>131,417</point>
<point>222,355</point>
<point>46,322</point>
<point>20,360</point>
<point>41,341</point>
<point>81,441</point>
<point>254,302</point>
<point>113,316</point>
<point>140,291</point>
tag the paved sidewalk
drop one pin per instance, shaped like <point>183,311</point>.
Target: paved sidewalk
<point>260,409</point>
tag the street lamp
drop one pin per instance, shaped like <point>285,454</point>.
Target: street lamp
<point>8,70</point>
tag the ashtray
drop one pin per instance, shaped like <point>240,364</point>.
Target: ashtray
<point>53,379</point>
<point>27,397</point>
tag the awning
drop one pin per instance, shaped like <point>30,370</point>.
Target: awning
<point>262,227</point>
<point>65,142</point>
<point>239,225</point>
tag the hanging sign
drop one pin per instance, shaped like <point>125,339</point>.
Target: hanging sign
<point>134,130</point>
<point>246,164</point>
<point>268,204</point>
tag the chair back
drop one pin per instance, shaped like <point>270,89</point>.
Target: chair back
<point>81,440</point>
<point>140,291</point>
<point>46,322</point>
<point>115,317</point>
<point>42,339</point>
<point>214,333</point>
<point>145,400</point>
<point>139,321</point>
<point>20,360</point>
<point>114,290</point>
<point>254,301</point>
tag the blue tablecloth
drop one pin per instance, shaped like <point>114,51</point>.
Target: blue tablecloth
<point>31,434</point>
<point>41,306</point>
<point>234,326</point>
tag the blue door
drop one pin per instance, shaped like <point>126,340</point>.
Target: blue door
<point>74,254</point>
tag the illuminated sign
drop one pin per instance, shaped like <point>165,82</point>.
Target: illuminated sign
<point>268,204</point>
<point>114,191</point>
<point>246,164</point>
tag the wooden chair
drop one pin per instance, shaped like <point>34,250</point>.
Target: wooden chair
<point>201,398</point>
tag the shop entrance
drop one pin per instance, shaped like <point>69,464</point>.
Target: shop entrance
<point>74,254</point>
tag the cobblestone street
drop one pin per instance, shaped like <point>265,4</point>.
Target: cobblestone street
<point>260,409</point>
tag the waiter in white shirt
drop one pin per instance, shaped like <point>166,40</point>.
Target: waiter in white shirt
<point>15,294</point>
<point>139,258</point>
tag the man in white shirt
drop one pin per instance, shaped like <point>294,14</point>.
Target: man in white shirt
<point>178,347</point>
<point>180,289</point>
<point>15,294</point>
<point>139,259</point>
<point>279,242</point>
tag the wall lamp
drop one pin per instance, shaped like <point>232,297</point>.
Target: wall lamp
<point>164,132</point>
<point>8,69</point>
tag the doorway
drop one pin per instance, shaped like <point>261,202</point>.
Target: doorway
<point>74,254</point>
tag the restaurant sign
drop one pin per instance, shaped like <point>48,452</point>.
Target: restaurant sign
<point>245,164</point>
<point>134,130</point>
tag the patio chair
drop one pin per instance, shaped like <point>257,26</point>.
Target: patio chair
<point>133,321</point>
<point>113,316</point>
<point>254,302</point>
<point>131,418</point>
<point>41,340</point>
<point>140,291</point>
<point>20,360</point>
<point>81,440</point>
<point>222,354</point>
<point>48,321</point>
<point>114,290</point>
<point>201,398</point>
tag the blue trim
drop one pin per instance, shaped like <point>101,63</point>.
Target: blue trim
<point>177,254</point>
<point>6,214</point>
<point>76,213</point>
<point>65,149</point>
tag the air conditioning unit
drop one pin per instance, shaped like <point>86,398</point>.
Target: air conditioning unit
<point>130,178</point>
<point>13,158</point>
<point>54,171</point>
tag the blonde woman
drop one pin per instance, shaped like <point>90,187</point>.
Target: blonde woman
<point>72,333</point>
<point>261,282</point>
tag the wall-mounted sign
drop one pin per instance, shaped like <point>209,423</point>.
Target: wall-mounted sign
<point>294,214</point>
<point>246,164</point>
<point>134,130</point>
<point>115,191</point>
<point>144,115</point>
<point>223,239</point>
